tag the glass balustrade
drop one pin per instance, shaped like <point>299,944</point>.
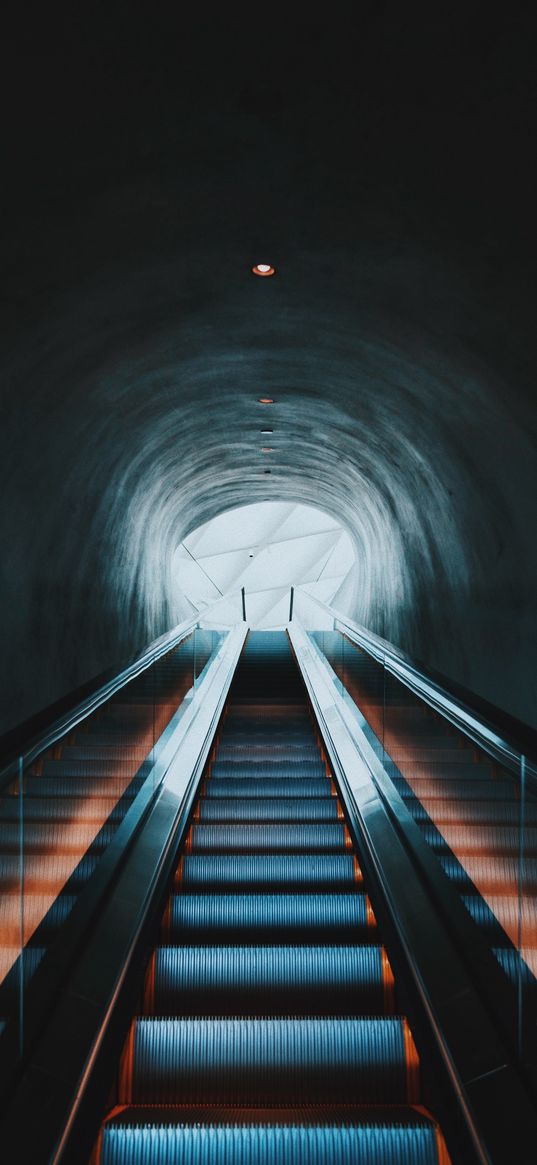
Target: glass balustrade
<point>471,793</point>
<point>62,807</point>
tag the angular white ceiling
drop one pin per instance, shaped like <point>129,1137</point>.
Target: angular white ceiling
<point>266,548</point>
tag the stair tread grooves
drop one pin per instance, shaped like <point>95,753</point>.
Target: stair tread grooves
<point>268,1144</point>
<point>237,1059</point>
<point>270,993</point>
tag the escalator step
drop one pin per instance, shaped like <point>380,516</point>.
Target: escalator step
<point>87,786</point>
<point>516,969</point>
<point>491,874</point>
<point>185,1143</point>
<point>269,769</point>
<point>54,837</point>
<point>296,917</point>
<point>266,733</point>
<point>451,789</point>
<point>505,909</point>
<point>278,787</point>
<point>38,910</point>
<point>437,754</point>
<point>478,839</point>
<point>120,766</point>
<point>477,813</point>
<point>270,751</point>
<point>269,980</point>
<point>446,770</point>
<point>290,809</point>
<point>42,872</point>
<point>45,809</point>
<point>298,872</point>
<point>133,753</point>
<point>269,1061</point>
<point>268,838</point>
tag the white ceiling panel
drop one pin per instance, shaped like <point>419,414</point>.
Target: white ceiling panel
<point>265,548</point>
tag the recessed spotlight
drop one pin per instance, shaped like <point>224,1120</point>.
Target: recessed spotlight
<point>266,432</point>
<point>263,269</point>
<point>267,449</point>
<point>266,400</point>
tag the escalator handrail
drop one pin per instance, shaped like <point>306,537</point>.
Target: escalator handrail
<point>61,726</point>
<point>507,739</point>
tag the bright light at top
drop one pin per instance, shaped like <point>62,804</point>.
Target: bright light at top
<point>265,547</point>
<point>263,269</point>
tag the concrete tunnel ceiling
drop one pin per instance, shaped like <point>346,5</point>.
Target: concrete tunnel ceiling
<point>384,174</point>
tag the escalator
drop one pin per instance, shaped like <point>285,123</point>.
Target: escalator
<point>467,808</point>
<point>268,1028</point>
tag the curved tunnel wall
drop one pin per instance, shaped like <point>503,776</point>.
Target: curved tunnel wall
<point>383,166</point>
<point>133,434</point>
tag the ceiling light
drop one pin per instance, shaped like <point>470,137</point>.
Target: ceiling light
<point>266,400</point>
<point>263,269</point>
<point>267,449</point>
<point>266,432</point>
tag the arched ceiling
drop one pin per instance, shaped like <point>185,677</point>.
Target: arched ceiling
<point>384,172</point>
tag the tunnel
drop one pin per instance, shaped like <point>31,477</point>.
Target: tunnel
<point>284,264</point>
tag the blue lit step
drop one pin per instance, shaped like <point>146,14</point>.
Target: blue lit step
<point>248,741</point>
<point>54,837</point>
<point>120,737</point>
<point>291,809</point>
<point>433,751</point>
<point>480,839</point>
<point>257,838</point>
<point>516,968</point>
<point>276,787</point>
<point>477,813</point>
<point>250,1137</point>
<point>61,809</point>
<point>280,715</point>
<point>268,769</point>
<point>43,872</point>
<point>38,913</point>
<point>269,980</point>
<point>273,749</point>
<point>275,711</point>
<point>490,874</point>
<point>132,752</point>
<point>269,1061</point>
<point>507,908</point>
<point>296,918</point>
<point>446,771</point>
<point>298,873</point>
<point>121,765</point>
<point>113,786</point>
<point>266,732</point>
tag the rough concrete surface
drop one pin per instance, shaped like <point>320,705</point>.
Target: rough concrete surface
<point>397,337</point>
